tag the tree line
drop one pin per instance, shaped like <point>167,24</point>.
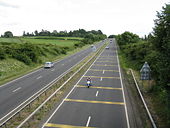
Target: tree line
<point>74,33</point>
<point>155,49</point>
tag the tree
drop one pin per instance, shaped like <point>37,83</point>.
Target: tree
<point>161,43</point>
<point>8,34</point>
<point>24,34</point>
<point>112,36</point>
<point>36,33</point>
<point>127,38</point>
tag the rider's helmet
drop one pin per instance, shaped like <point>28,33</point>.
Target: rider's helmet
<point>88,79</point>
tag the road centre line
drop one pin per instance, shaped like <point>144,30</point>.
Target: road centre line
<point>16,89</point>
<point>103,77</point>
<point>105,70</point>
<point>97,93</point>
<point>63,126</point>
<point>109,88</point>
<point>95,102</point>
<point>88,121</point>
<point>39,77</point>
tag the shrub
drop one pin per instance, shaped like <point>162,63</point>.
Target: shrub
<point>2,54</point>
<point>24,58</point>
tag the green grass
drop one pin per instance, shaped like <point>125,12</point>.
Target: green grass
<point>11,40</point>
<point>57,38</point>
<point>68,43</point>
<point>50,41</point>
<point>11,67</point>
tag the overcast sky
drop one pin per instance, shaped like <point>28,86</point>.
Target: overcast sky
<point>110,16</point>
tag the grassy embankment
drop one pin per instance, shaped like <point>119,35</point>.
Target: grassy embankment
<point>133,56</point>
<point>19,56</point>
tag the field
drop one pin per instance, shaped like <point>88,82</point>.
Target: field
<point>50,41</point>
<point>60,41</point>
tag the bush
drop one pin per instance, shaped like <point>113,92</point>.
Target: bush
<point>127,38</point>
<point>24,58</point>
<point>2,54</point>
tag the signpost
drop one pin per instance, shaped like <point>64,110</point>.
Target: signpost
<point>145,72</point>
<point>145,75</point>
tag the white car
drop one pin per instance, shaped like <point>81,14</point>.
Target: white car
<point>48,65</point>
<point>107,47</point>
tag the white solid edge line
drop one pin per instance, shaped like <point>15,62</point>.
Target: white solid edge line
<point>69,92</point>
<point>127,118</point>
<point>39,77</point>
<point>88,121</point>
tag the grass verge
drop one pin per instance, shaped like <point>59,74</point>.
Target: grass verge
<point>137,114</point>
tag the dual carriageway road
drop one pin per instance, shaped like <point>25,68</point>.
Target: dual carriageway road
<point>102,105</point>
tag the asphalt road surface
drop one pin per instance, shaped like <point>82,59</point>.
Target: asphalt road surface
<point>102,105</point>
<point>17,91</point>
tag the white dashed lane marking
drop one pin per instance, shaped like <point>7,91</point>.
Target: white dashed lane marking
<point>39,77</point>
<point>88,121</point>
<point>53,70</point>
<point>16,89</point>
<point>101,79</point>
<point>97,93</point>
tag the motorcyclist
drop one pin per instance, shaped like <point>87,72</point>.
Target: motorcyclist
<point>88,81</point>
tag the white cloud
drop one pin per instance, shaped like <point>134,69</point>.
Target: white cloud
<point>111,16</point>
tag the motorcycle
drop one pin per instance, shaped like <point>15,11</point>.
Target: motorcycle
<point>88,84</point>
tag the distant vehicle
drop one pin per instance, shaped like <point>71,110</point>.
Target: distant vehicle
<point>93,48</point>
<point>48,65</point>
<point>107,47</point>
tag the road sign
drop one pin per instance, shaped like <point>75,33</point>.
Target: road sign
<point>145,72</point>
